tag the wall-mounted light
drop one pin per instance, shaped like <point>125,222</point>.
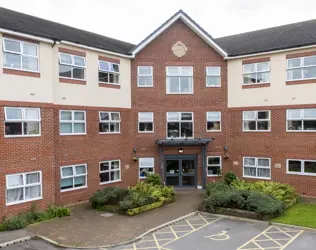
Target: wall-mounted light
<point>135,159</point>
<point>226,156</point>
<point>180,150</point>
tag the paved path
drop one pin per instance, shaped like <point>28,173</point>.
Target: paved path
<point>86,227</point>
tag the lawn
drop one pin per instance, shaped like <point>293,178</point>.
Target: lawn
<point>301,214</point>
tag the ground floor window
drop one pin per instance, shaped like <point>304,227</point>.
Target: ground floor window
<point>214,165</point>
<point>303,167</point>
<point>110,171</point>
<point>73,177</point>
<point>23,187</point>
<point>146,165</point>
<point>255,167</point>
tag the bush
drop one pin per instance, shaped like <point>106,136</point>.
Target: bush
<point>229,177</point>
<point>108,196</point>
<point>154,179</point>
<point>216,187</point>
<point>282,192</point>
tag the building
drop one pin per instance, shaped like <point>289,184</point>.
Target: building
<point>78,108</point>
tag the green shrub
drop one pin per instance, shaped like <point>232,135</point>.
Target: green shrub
<point>282,192</point>
<point>154,179</point>
<point>229,177</point>
<point>167,192</point>
<point>217,187</point>
<point>53,212</point>
<point>108,196</point>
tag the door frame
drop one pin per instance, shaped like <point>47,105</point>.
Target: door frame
<point>180,158</point>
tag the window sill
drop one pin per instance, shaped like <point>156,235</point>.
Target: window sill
<point>191,93</point>
<point>303,81</point>
<point>253,177</point>
<point>109,133</point>
<point>109,182</point>
<point>18,72</point>
<point>256,131</point>
<point>72,81</point>
<point>301,131</point>
<point>109,85</point>
<point>216,86</point>
<point>213,175</point>
<point>25,201</point>
<point>253,86</point>
<point>301,174</point>
<point>145,132</point>
<point>72,189</point>
<point>21,136</point>
<point>215,131</point>
<point>139,86</point>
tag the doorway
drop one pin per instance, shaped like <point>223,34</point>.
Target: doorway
<point>180,170</point>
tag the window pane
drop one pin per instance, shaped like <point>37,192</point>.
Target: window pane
<point>173,71</point>
<point>29,49</point>
<point>309,113</point>
<point>309,72</point>
<point>294,125</point>
<point>78,73</point>
<point>295,62</point>
<point>250,171</point>
<point>12,46</point>
<point>186,71</point>
<point>173,129</point>
<point>263,114</point>
<point>14,195</point>
<point>249,68</point>
<point>294,74</point>
<point>310,125</point>
<point>80,181</point>
<point>116,67</point>
<point>68,171</point>
<point>66,183</point>
<point>12,61</point>
<point>249,125</point>
<point>65,70</point>
<point>13,128</point>
<point>15,180</point>
<point>115,175</point>
<point>308,61</point>
<point>264,172</point>
<point>145,81</point>
<point>144,171</point>
<point>64,58</point>
<point>213,116</point>
<point>145,116</point>
<point>186,84</point>
<point>33,192</point>
<point>81,169</point>
<point>115,165</point>
<point>263,77</point>
<point>104,166</point>
<point>79,116</point>
<point>213,71</point>
<point>144,70</point>
<point>104,116</point>
<point>250,78</point>
<point>115,116</point>
<point>79,128</point>
<point>32,178</point>
<point>146,162</point>
<point>103,76</point>
<point>104,127</point>
<point>214,160</point>
<point>214,170</point>
<point>173,84</point>
<point>29,63</point>
<point>32,114</point>
<point>104,177</point>
<point>295,166</point>
<point>249,115</point>
<point>213,81</point>
<point>249,161</point>
<point>263,66</point>
<point>186,116</point>
<point>65,115</point>
<point>115,127</point>
<point>116,78</point>
<point>111,78</point>
<point>31,128</point>
<point>294,114</point>
<point>145,126</point>
<point>104,65</point>
<point>186,129</point>
<point>263,125</point>
<point>13,114</point>
<point>310,167</point>
<point>79,61</point>
<point>65,128</point>
<point>263,162</point>
<point>173,116</point>
<point>213,126</point>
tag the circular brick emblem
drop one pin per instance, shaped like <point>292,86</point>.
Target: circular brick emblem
<point>179,49</point>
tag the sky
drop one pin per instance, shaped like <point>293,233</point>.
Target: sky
<point>133,20</point>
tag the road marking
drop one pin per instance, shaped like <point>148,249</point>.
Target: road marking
<point>219,236</point>
<point>174,232</point>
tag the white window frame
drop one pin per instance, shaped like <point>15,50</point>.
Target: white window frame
<point>109,171</point>
<point>179,75</point>
<point>22,121</point>
<point>256,120</point>
<point>150,75</point>
<point>139,166</point>
<point>72,65</point>
<point>73,176</point>
<point>302,119</point>
<point>180,113</point>
<point>21,54</point>
<point>301,67</point>
<point>256,72</point>
<point>72,121</point>
<point>24,186</point>
<point>220,78</point>
<point>146,121</point>
<point>302,167</point>
<point>213,165</point>
<point>110,121</point>
<point>220,121</point>
<point>110,72</point>
<point>256,166</point>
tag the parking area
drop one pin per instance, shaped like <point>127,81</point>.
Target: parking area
<point>206,231</point>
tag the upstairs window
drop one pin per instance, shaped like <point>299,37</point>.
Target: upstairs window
<point>109,72</point>
<point>213,76</point>
<point>145,76</point>
<point>179,80</point>
<point>256,73</point>
<point>72,122</point>
<point>145,122</point>
<point>72,66</point>
<point>20,55</point>
<point>179,125</point>
<point>109,122</point>
<point>256,121</point>
<point>301,68</point>
<point>301,119</point>
<point>213,122</point>
<point>22,122</point>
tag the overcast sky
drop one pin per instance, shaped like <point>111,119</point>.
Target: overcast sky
<point>133,20</point>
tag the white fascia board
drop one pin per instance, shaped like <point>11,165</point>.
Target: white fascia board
<point>23,35</point>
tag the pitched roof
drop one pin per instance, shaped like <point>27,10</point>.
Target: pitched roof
<point>271,39</point>
<point>188,21</point>
<point>19,22</point>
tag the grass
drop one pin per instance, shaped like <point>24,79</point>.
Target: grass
<point>301,214</point>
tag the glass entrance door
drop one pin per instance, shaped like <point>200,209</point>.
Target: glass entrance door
<point>180,170</point>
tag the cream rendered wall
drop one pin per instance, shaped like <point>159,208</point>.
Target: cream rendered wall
<point>277,94</point>
<point>29,89</point>
<point>91,94</point>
